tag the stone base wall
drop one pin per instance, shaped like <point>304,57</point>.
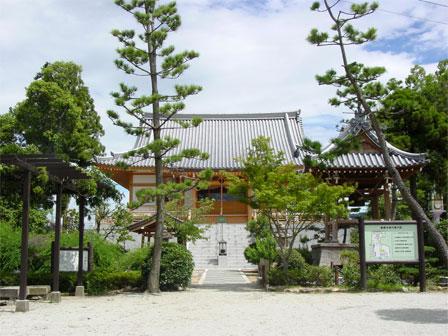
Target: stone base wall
<point>205,251</point>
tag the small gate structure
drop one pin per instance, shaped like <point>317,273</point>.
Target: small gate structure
<point>62,174</point>
<point>391,242</point>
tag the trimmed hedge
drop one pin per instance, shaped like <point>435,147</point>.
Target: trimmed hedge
<point>102,282</point>
<point>67,281</point>
<point>176,267</point>
<point>309,275</point>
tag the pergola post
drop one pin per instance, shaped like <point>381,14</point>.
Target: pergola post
<point>79,278</point>
<point>22,304</point>
<point>55,295</point>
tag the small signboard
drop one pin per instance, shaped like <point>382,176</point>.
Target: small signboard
<point>391,242</point>
<point>69,258</point>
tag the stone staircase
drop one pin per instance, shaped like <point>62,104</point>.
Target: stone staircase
<point>205,251</point>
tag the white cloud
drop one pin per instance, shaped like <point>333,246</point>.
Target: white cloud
<point>253,58</point>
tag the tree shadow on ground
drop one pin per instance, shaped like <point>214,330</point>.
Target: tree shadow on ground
<point>415,315</point>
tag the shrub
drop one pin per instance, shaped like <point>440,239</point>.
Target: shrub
<point>67,281</point>
<point>101,282</point>
<point>277,277</point>
<point>263,248</point>
<point>318,275</point>
<point>9,248</point>
<point>295,260</point>
<point>383,276</point>
<point>176,267</point>
<point>306,254</point>
<point>133,260</point>
<point>251,255</point>
<point>350,269</point>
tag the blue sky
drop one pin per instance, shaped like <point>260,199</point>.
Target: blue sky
<point>254,54</point>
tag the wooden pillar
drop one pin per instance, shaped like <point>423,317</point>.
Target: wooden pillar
<point>362,255</point>
<point>25,232</point>
<point>143,240</point>
<point>57,239</point>
<point>387,203</point>
<point>81,240</point>
<point>375,207</point>
<point>421,256</point>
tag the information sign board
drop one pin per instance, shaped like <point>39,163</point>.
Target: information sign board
<point>69,258</point>
<point>391,242</point>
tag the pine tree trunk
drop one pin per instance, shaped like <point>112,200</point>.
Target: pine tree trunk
<point>154,275</point>
<point>393,172</point>
<point>416,209</point>
<point>394,202</point>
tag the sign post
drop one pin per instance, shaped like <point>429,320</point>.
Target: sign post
<point>391,242</point>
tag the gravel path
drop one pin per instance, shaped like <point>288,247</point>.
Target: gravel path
<point>234,310</point>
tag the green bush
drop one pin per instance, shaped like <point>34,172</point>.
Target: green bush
<point>133,260</point>
<point>101,282</point>
<point>350,268</point>
<point>176,267</point>
<point>251,255</point>
<point>308,275</point>
<point>295,261</point>
<point>318,275</point>
<point>263,248</point>
<point>67,281</point>
<point>277,277</point>
<point>306,254</point>
<point>9,248</point>
<point>383,275</point>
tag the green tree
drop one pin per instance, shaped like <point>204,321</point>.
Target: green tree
<point>415,116</point>
<point>291,202</point>
<point>265,246</point>
<point>145,54</point>
<point>183,220</point>
<point>58,115</point>
<point>121,218</point>
<point>360,90</point>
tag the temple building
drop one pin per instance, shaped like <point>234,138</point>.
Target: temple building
<point>226,138</point>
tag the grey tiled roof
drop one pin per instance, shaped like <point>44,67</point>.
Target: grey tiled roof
<point>226,137</point>
<point>399,157</point>
<point>372,160</point>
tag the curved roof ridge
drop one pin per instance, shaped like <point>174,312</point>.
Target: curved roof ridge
<point>212,116</point>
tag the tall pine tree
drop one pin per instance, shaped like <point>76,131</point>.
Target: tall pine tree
<point>145,54</point>
<point>360,90</point>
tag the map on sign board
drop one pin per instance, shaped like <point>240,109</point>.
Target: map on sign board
<point>391,242</point>
<point>68,260</point>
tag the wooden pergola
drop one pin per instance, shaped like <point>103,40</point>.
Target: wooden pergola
<point>147,227</point>
<point>62,174</point>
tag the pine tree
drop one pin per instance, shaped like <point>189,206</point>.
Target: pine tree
<point>144,54</point>
<point>360,90</point>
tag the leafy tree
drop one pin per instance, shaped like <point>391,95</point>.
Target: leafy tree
<point>118,229</point>
<point>145,54</point>
<point>187,228</point>
<point>70,220</point>
<point>58,115</point>
<point>360,91</point>
<point>291,202</point>
<point>415,116</point>
<point>102,212</point>
<point>265,246</point>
